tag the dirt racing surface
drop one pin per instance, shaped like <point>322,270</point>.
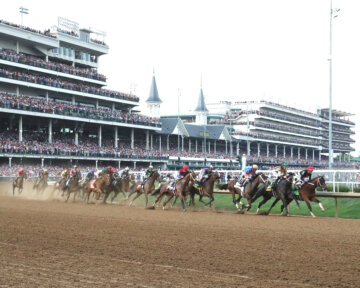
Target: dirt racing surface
<point>55,244</point>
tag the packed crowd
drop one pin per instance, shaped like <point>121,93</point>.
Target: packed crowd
<point>44,33</point>
<point>58,83</point>
<point>11,55</point>
<point>338,128</point>
<point>285,128</point>
<point>71,33</point>
<point>39,104</point>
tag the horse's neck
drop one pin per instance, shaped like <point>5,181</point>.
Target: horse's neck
<point>210,182</point>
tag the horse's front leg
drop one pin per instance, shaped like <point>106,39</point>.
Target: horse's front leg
<point>313,199</point>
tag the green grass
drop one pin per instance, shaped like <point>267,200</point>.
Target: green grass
<point>347,208</point>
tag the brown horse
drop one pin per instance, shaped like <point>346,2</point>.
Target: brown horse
<point>19,183</point>
<point>73,186</point>
<point>97,186</point>
<point>307,193</point>
<point>249,190</point>
<point>123,185</point>
<point>181,189</point>
<point>41,184</point>
<point>207,189</point>
<point>146,189</point>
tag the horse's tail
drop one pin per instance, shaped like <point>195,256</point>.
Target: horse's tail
<point>224,187</point>
<point>157,191</point>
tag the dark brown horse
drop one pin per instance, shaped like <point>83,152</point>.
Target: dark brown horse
<point>123,185</point>
<point>97,187</point>
<point>207,189</point>
<point>73,186</point>
<point>41,184</point>
<point>249,190</point>
<point>146,189</point>
<point>19,183</point>
<point>307,193</point>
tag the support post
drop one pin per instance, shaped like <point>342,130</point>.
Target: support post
<point>113,107</point>
<point>73,99</point>
<point>96,164</point>
<point>313,154</point>
<point>267,150</point>
<point>10,161</point>
<point>306,154</point>
<point>134,165</point>
<point>196,148</point>
<point>237,148</point>
<point>226,150</point>
<point>47,96</point>
<point>97,104</point>
<point>160,143</point>
<point>209,146</point>
<point>119,165</point>
<point>284,151</point>
<point>248,148</point>
<point>147,140</point>
<point>116,137</point>
<point>298,153</point>
<point>100,135</point>
<point>42,162</point>
<point>214,146</point>
<point>20,129</point>
<point>292,152</point>
<point>17,91</point>
<point>182,143</point>
<point>50,131</point>
<point>319,155</point>
<point>276,151</point>
<point>132,138</point>
<point>167,143</point>
<point>151,141</point>
<point>76,138</point>
<point>189,144</point>
<point>258,152</point>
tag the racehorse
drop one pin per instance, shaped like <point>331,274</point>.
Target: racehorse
<point>19,183</point>
<point>147,188</point>
<point>307,193</point>
<point>97,186</point>
<point>249,190</point>
<point>72,186</point>
<point>41,184</point>
<point>207,189</point>
<point>123,185</point>
<point>181,187</point>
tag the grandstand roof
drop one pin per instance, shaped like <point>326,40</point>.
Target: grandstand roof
<point>154,94</point>
<point>201,107</point>
<point>336,113</point>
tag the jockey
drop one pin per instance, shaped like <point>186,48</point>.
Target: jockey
<point>124,173</point>
<point>204,175</point>
<point>65,173</point>
<point>21,171</point>
<point>182,172</point>
<point>110,170</point>
<point>282,173</point>
<point>305,175</point>
<point>148,173</point>
<point>250,173</point>
<point>90,175</point>
<point>74,171</point>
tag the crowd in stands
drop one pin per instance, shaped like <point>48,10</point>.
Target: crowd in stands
<point>71,33</point>
<point>58,83</point>
<point>338,128</point>
<point>98,41</point>
<point>39,104</point>
<point>287,128</point>
<point>43,33</point>
<point>11,55</point>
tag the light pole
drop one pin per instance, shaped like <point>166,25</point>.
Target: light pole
<point>331,156</point>
<point>22,11</point>
<point>179,94</point>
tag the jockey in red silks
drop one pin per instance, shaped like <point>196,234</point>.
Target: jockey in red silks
<point>20,172</point>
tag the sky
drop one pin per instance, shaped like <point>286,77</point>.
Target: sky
<point>275,50</point>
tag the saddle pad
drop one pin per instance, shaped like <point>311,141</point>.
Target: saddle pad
<point>92,184</point>
<point>138,187</point>
<point>268,189</point>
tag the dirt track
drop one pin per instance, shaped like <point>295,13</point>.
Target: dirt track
<point>51,243</point>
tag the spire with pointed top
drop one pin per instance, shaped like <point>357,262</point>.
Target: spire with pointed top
<point>201,107</point>
<point>154,94</point>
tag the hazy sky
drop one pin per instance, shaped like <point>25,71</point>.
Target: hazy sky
<point>244,50</point>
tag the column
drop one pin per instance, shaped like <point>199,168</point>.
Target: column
<point>237,148</point>
<point>11,124</point>
<point>313,154</point>
<point>267,150</point>
<point>151,141</point>
<point>76,138</point>
<point>112,107</point>
<point>298,153</point>
<point>42,162</point>
<point>319,155</point>
<point>226,151</point>
<point>96,164</point>
<point>20,128</point>
<point>10,161</point>
<point>99,135</point>
<point>160,143</point>
<point>50,131</point>
<point>292,152</point>
<point>167,143</point>
<point>214,146</point>
<point>248,148</point>
<point>119,164</point>
<point>116,137</point>
<point>132,138</point>
<point>276,151</point>
<point>17,46</point>
<point>47,96</point>
<point>97,104</point>
<point>73,99</point>
<point>147,140</point>
<point>182,143</point>
<point>284,151</point>
<point>209,146</point>
<point>189,145</point>
<point>258,145</point>
<point>46,58</point>
<point>196,145</point>
<point>134,165</point>
<point>306,153</point>
<point>17,91</point>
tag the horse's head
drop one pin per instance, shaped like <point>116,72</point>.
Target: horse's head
<point>156,176</point>
<point>262,178</point>
<point>321,183</point>
<point>106,179</point>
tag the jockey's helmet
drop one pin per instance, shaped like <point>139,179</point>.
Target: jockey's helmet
<point>151,167</point>
<point>285,164</point>
<point>75,167</point>
<point>127,169</point>
<point>310,168</point>
<point>103,170</point>
<point>254,166</point>
<point>185,168</point>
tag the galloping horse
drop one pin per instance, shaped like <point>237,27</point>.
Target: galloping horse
<point>149,187</point>
<point>73,186</point>
<point>181,187</point>
<point>206,190</point>
<point>41,184</point>
<point>249,190</point>
<point>19,183</point>
<point>123,185</point>
<point>307,193</point>
<point>97,186</point>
